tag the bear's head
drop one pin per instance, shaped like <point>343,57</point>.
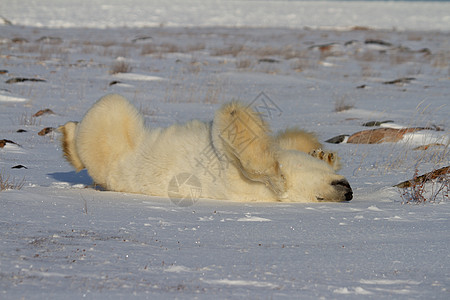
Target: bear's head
<point>308,179</point>
<point>245,139</point>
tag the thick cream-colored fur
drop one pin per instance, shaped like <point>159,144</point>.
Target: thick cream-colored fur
<point>233,157</point>
<point>68,144</point>
<point>297,139</point>
<point>300,140</point>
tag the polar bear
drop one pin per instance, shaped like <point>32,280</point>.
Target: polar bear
<point>234,157</point>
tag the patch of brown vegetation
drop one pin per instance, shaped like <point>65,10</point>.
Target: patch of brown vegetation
<point>426,147</point>
<point>120,67</point>
<point>439,173</point>
<point>6,183</point>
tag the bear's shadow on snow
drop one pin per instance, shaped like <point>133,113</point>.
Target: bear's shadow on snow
<point>73,177</point>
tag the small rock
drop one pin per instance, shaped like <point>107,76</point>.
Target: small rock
<point>425,51</point>
<point>400,81</point>
<point>141,39</point>
<point>46,131</point>
<point>4,142</point>
<point>43,112</point>
<point>19,167</point>
<point>268,60</point>
<point>19,40</point>
<point>377,42</point>
<point>376,123</point>
<point>350,43</point>
<point>435,127</point>
<point>21,79</point>
<point>114,82</point>
<point>337,139</point>
<point>324,47</point>
<point>380,135</point>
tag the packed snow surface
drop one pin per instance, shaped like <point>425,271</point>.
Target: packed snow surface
<point>62,238</point>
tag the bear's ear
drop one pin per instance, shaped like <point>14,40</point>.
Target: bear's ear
<point>240,133</point>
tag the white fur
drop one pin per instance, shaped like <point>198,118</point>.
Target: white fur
<point>121,154</point>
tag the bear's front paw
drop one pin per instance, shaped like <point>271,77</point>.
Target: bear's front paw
<point>330,158</point>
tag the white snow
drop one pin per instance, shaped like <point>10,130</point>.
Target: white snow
<point>138,77</point>
<point>426,15</point>
<point>177,269</point>
<point>250,218</point>
<point>355,291</point>
<point>6,98</point>
<point>389,282</point>
<point>63,238</point>
<point>373,208</point>
<point>242,283</point>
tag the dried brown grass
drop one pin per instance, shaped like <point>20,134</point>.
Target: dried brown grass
<point>243,63</point>
<point>120,67</point>
<point>8,183</point>
<point>343,104</point>
<point>232,50</point>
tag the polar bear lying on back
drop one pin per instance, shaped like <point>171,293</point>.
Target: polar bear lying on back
<point>234,156</point>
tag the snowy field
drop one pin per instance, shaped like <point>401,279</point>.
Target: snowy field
<point>327,67</point>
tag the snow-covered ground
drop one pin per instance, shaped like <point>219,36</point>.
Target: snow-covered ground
<point>61,238</point>
<point>404,15</point>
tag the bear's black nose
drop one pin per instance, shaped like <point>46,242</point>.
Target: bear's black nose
<point>344,188</point>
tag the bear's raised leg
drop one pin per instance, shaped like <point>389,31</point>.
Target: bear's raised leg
<point>244,138</point>
<point>111,129</point>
